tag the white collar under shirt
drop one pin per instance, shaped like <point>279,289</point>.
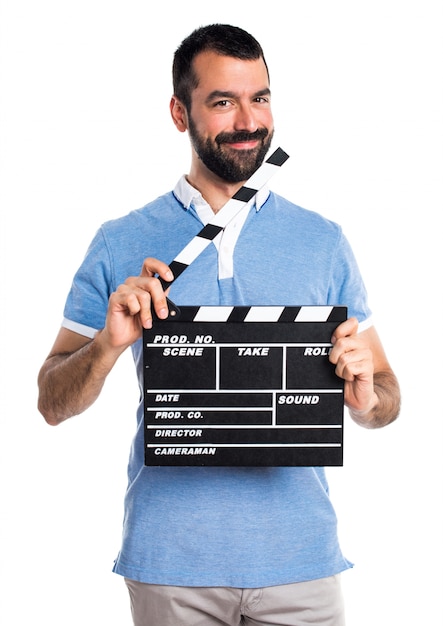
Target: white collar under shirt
<point>225,241</point>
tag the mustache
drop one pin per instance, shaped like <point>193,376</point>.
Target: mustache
<point>241,135</point>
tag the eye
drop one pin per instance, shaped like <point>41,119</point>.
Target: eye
<point>221,103</point>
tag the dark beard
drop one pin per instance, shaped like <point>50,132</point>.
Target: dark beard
<point>231,166</point>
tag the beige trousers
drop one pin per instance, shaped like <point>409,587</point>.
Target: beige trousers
<point>313,603</point>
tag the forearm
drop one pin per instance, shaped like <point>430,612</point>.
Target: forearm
<point>386,405</point>
<point>69,383</point>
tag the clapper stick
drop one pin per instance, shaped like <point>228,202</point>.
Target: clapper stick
<point>196,246</point>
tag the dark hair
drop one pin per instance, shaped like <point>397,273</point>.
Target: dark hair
<point>223,39</point>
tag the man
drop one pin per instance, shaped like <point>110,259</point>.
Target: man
<point>226,545</point>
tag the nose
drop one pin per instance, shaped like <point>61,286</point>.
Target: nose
<point>245,119</point>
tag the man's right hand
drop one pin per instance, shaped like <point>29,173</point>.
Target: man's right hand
<point>130,306</point>
<point>75,370</point>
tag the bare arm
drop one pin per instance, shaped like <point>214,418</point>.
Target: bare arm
<point>73,374</point>
<point>372,392</point>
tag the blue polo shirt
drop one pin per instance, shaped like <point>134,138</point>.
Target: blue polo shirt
<point>223,526</point>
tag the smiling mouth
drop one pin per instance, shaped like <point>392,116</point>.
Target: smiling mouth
<point>243,140</point>
<point>242,145</point>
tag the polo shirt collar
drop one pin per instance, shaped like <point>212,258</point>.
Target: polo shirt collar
<point>189,195</point>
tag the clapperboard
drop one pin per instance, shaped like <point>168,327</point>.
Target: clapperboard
<point>249,386</point>
<point>241,386</point>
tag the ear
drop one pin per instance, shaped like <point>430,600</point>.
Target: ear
<point>179,115</point>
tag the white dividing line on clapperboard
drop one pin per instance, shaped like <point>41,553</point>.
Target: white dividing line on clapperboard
<point>227,213</point>
<point>245,445</point>
<point>246,426</point>
<point>255,344</point>
<point>239,391</point>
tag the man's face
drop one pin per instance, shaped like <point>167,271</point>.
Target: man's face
<point>230,123</point>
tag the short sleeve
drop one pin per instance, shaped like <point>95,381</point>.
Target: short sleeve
<point>87,302</point>
<point>346,283</point>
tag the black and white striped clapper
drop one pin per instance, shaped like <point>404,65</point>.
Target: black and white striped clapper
<point>243,386</point>
<point>220,220</point>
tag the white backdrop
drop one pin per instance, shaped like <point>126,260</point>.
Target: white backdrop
<point>86,136</point>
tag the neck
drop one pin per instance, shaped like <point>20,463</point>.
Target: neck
<point>214,190</point>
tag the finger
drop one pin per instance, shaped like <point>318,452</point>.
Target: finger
<point>159,304</point>
<point>131,297</point>
<point>345,329</point>
<point>152,267</point>
<point>139,294</point>
<point>342,346</point>
<point>354,364</point>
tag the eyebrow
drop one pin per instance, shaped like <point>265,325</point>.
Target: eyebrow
<point>231,94</point>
